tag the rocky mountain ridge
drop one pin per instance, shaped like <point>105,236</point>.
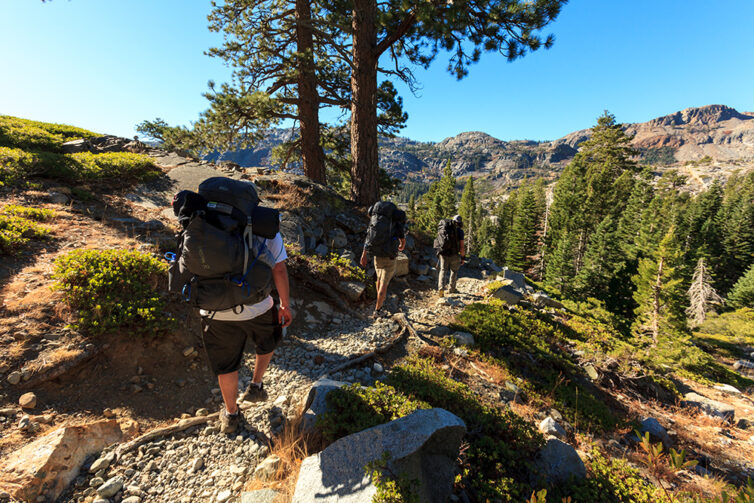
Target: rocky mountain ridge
<point>719,136</point>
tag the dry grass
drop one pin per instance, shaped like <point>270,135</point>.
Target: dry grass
<point>288,195</point>
<point>291,447</point>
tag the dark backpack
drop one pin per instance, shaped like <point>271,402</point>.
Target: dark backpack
<point>217,265</point>
<point>446,242</point>
<point>386,228</point>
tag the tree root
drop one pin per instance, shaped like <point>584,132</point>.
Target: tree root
<point>325,288</point>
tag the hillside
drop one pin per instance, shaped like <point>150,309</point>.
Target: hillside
<point>705,143</point>
<point>100,407</point>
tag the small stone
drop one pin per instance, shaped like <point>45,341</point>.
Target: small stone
<point>108,413</point>
<point>280,401</point>
<point>550,427</point>
<point>188,351</point>
<point>196,465</point>
<point>377,368</point>
<point>14,377</point>
<point>591,372</point>
<point>28,400</point>
<point>96,482</point>
<point>110,488</point>
<point>102,463</point>
<point>463,338</point>
<point>23,423</point>
<point>132,499</point>
<point>223,496</point>
<point>267,468</point>
<point>202,412</point>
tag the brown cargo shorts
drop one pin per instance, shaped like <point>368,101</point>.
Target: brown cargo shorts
<point>385,269</point>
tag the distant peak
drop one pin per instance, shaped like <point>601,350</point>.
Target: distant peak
<point>709,114</point>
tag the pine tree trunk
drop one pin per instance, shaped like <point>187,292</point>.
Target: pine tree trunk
<point>365,169</point>
<point>308,98</point>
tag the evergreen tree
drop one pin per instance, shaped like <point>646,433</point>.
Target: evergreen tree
<point>446,193</point>
<point>736,219</point>
<point>560,269</point>
<point>742,293</point>
<point>658,293</point>
<point>702,297</point>
<point>469,213</point>
<point>596,183</point>
<point>602,259</point>
<point>522,239</point>
<point>412,207</point>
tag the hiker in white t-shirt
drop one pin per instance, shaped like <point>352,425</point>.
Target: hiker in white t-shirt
<point>225,333</point>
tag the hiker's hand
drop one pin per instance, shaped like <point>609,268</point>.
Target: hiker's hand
<point>463,260</point>
<point>402,245</point>
<point>285,317</point>
<point>363,260</point>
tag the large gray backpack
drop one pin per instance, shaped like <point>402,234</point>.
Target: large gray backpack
<point>218,265</point>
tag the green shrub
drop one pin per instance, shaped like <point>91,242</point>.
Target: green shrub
<point>612,481</point>
<point>111,289</point>
<point>501,444</point>
<point>33,135</point>
<point>37,214</point>
<point>530,347</point>
<point>17,166</point>
<point>352,409</point>
<point>17,229</point>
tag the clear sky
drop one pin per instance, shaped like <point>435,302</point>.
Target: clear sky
<point>108,64</point>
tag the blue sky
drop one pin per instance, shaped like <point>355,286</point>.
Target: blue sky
<point>107,65</point>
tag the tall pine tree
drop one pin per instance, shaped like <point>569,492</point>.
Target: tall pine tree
<point>469,213</point>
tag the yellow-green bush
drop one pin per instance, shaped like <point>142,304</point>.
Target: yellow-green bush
<point>18,226</point>
<point>112,289</point>
<point>17,165</point>
<point>34,135</point>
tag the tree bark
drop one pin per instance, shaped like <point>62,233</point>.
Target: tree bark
<point>365,163</point>
<point>308,97</point>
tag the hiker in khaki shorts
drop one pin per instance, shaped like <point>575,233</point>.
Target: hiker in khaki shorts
<point>386,236</point>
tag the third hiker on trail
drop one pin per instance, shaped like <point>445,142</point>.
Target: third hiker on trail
<point>449,247</point>
<point>386,236</point>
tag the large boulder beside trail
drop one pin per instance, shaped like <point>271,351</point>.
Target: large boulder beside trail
<point>517,278</point>
<point>292,232</point>
<point>316,404</point>
<point>508,294</point>
<point>401,264</point>
<point>422,446</point>
<point>45,467</point>
<point>710,407</point>
<point>557,463</point>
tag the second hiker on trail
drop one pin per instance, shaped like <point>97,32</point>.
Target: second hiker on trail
<point>449,248</point>
<point>229,256</point>
<point>386,236</point>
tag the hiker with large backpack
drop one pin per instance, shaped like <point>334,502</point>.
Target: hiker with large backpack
<point>386,236</point>
<point>230,254</point>
<point>450,250</point>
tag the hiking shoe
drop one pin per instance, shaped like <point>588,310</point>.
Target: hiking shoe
<point>229,422</point>
<point>254,393</point>
<point>452,290</point>
<point>379,313</point>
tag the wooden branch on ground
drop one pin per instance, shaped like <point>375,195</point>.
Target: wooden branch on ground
<point>358,358</point>
<point>61,368</point>
<point>326,289</point>
<point>181,425</point>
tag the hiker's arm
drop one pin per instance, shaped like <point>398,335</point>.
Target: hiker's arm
<point>402,244</point>
<point>363,260</point>
<point>280,277</point>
